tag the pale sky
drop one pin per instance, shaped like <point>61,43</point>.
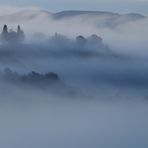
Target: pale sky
<point>123,6</point>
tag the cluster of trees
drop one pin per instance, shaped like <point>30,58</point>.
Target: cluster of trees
<point>12,36</point>
<point>31,78</point>
<point>60,40</point>
<point>80,40</point>
<point>93,39</point>
<point>48,82</point>
<point>92,43</point>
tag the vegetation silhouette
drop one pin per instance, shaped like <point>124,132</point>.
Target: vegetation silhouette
<point>12,36</point>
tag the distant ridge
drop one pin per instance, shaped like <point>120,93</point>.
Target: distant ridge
<point>98,18</point>
<point>73,13</point>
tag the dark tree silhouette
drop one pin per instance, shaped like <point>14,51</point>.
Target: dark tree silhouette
<point>4,34</point>
<point>20,34</point>
<point>12,36</point>
<point>95,39</point>
<point>81,40</point>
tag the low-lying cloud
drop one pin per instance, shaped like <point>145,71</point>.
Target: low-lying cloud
<point>127,32</point>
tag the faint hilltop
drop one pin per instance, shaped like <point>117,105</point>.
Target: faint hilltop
<point>11,35</point>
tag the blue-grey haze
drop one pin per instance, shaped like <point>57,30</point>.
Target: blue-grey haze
<point>105,5</point>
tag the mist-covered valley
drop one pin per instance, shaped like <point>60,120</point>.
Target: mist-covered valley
<point>87,64</point>
<point>73,79</point>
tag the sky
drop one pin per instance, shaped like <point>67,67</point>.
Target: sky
<point>123,6</point>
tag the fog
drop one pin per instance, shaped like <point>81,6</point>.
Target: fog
<point>122,32</point>
<point>80,125</point>
<point>78,79</point>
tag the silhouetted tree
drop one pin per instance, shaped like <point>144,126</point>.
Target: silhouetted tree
<point>52,76</point>
<point>4,34</point>
<point>20,34</point>
<point>80,40</point>
<point>95,39</point>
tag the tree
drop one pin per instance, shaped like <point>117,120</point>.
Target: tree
<point>4,34</point>
<point>80,40</point>
<point>20,34</point>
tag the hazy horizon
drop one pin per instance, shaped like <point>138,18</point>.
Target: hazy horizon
<point>122,6</point>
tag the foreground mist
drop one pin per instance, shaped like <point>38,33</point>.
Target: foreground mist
<point>73,124</point>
